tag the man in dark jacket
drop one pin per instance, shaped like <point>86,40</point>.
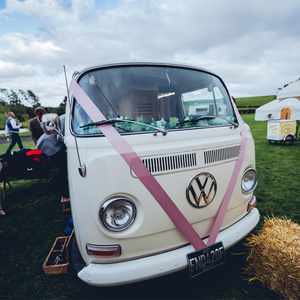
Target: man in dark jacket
<point>35,124</point>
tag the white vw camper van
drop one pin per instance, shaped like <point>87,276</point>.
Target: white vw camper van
<point>186,130</point>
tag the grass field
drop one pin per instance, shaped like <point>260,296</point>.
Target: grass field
<point>256,101</point>
<point>27,144</point>
<point>35,219</point>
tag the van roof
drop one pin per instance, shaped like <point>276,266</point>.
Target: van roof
<point>76,75</point>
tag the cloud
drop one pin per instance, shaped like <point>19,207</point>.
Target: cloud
<point>21,47</point>
<point>253,45</point>
<point>10,70</point>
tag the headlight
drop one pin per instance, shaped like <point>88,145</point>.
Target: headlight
<point>117,214</point>
<point>249,181</point>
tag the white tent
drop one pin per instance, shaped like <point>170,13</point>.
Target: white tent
<point>272,110</point>
<point>291,90</point>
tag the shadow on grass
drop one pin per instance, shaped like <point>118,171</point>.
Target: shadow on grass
<point>34,220</point>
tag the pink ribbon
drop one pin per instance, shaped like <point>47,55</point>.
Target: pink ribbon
<point>217,223</point>
<point>149,181</point>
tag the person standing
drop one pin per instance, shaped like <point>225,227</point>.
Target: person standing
<point>12,128</point>
<point>35,124</point>
<point>55,150</point>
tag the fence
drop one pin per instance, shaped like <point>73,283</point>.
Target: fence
<point>247,110</point>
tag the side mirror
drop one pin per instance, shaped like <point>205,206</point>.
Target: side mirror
<point>60,136</point>
<point>61,124</point>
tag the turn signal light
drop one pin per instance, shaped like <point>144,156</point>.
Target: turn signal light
<point>103,250</point>
<point>251,204</point>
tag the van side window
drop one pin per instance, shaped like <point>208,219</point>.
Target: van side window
<point>79,118</point>
<point>221,104</point>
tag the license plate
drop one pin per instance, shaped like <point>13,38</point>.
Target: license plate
<point>206,259</point>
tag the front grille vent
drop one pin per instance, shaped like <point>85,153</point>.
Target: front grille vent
<point>212,156</point>
<point>169,163</point>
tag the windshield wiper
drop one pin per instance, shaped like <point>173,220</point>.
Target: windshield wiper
<point>207,117</point>
<point>114,121</point>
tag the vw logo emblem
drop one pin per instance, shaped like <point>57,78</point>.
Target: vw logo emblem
<point>202,190</point>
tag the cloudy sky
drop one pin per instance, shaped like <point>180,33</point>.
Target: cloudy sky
<point>254,45</point>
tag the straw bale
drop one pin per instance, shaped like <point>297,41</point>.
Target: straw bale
<point>274,257</point>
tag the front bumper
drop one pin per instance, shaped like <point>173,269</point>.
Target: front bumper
<point>161,264</point>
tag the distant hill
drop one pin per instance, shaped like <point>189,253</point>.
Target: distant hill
<point>256,101</point>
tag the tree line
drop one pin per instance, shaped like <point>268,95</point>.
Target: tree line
<point>23,103</point>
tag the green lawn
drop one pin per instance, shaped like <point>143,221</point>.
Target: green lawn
<point>35,219</point>
<point>26,144</point>
<point>256,101</point>
<point>278,168</point>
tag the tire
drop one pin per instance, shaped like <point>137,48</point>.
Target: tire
<point>289,140</point>
<point>75,259</point>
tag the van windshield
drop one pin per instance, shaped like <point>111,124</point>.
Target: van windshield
<point>149,97</point>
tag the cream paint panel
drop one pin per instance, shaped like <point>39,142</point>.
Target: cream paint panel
<point>163,263</point>
<point>153,231</point>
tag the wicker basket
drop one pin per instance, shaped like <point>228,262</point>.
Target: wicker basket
<point>57,261</point>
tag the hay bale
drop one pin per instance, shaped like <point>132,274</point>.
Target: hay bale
<point>274,257</point>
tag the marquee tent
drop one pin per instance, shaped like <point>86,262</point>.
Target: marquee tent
<point>291,90</point>
<point>279,109</point>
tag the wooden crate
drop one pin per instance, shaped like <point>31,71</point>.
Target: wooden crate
<point>57,261</point>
